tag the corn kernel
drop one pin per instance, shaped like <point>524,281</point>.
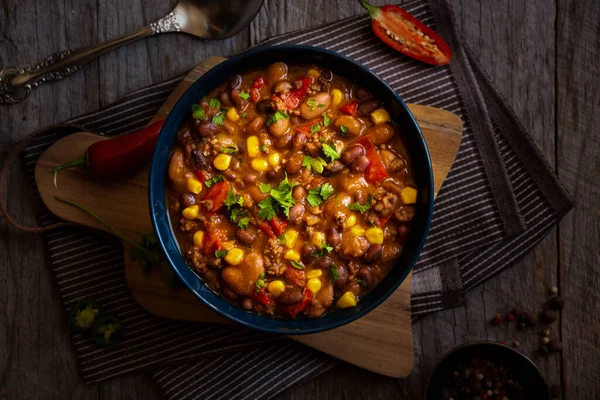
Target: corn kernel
<point>198,238</point>
<point>292,255</point>
<point>194,185</point>
<point>313,73</point>
<point>222,162</point>
<point>228,245</point>
<point>348,299</point>
<point>290,236</point>
<point>409,195</point>
<point>317,239</point>
<point>233,115</point>
<point>191,212</point>
<point>276,288</point>
<point>374,235</point>
<point>315,273</point>
<point>235,256</point>
<point>380,116</point>
<point>314,285</point>
<point>357,231</point>
<point>336,97</point>
<point>259,164</point>
<point>253,146</point>
<point>274,159</point>
<point>351,221</point>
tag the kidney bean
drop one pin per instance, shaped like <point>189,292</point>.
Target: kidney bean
<point>282,87</point>
<point>364,273</point>
<point>229,174</point>
<point>240,103</point>
<point>368,106</point>
<point>187,199</point>
<point>316,312</point>
<point>309,112</point>
<point>279,128</point>
<point>229,293</point>
<point>296,213</point>
<point>235,164</point>
<point>250,178</point>
<point>307,252</point>
<point>199,160</point>
<point>352,153</point>
<point>284,141</point>
<point>360,164</point>
<point>380,133</point>
<point>361,94</point>
<point>294,164</point>
<point>343,273</point>
<point>236,82</point>
<point>263,107</point>
<point>271,175</point>
<point>277,71</point>
<point>300,140</point>
<point>256,194</point>
<point>290,296</point>
<point>208,129</point>
<point>324,262</point>
<point>360,197</point>
<point>255,126</point>
<point>245,236</point>
<point>333,236</point>
<point>373,253</point>
<point>226,100</point>
<point>247,304</point>
<point>355,127</point>
<point>298,193</point>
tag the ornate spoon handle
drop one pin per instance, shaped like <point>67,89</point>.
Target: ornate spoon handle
<point>16,83</point>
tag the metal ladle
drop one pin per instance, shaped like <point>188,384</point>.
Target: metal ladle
<point>207,19</point>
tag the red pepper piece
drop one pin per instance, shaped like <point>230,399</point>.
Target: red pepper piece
<point>381,221</point>
<point>277,225</point>
<point>296,95</point>
<point>406,34</point>
<point>120,156</point>
<point>257,85</point>
<point>264,298</point>
<point>376,171</point>
<point>295,309</point>
<point>350,108</point>
<point>211,244</point>
<point>200,175</point>
<point>264,226</point>
<point>305,128</point>
<point>295,276</point>
<point>217,194</point>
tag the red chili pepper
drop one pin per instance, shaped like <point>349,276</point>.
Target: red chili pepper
<point>217,194</point>
<point>381,221</point>
<point>277,225</point>
<point>120,156</point>
<point>375,171</point>
<point>295,309</point>
<point>211,244</point>
<point>350,108</point>
<point>406,34</point>
<point>264,298</point>
<point>296,95</point>
<point>201,175</point>
<point>305,128</point>
<point>257,85</point>
<point>264,226</point>
<point>295,276</point>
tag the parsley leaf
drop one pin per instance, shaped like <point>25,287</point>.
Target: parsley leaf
<point>244,95</point>
<point>215,179</point>
<point>198,112</point>
<point>219,118</point>
<point>279,198</point>
<point>344,130</point>
<point>331,152</point>
<point>263,148</point>
<point>334,274</point>
<point>297,265</point>
<point>230,149</point>
<point>325,248</point>
<point>278,116</point>
<point>316,196</point>
<point>358,207</point>
<point>320,105</point>
<point>233,199</point>
<point>326,120</point>
<point>243,220</point>
<point>315,128</point>
<point>243,115</point>
<point>314,164</point>
<point>265,187</point>
<point>312,103</point>
<point>260,282</point>
<point>267,209</point>
<point>214,103</point>
<point>221,253</point>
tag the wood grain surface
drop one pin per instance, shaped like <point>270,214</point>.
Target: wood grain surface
<point>543,56</point>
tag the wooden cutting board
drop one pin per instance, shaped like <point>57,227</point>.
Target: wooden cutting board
<point>381,341</point>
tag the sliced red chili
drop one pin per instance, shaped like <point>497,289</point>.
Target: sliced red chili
<point>296,95</point>
<point>263,297</point>
<point>406,34</point>
<point>257,85</point>
<point>305,128</point>
<point>277,225</point>
<point>295,276</point>
<point>216,194</point>
<point>376,171</point>
<point>295,309</point>
<point>264,226</point>
<point>211,243</point>
<point>350,108</point>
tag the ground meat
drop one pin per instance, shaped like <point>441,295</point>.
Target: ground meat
<point>273,253</point>
<point>314,144</point>
<point>216,263</point>
<point>352,268</point>
<point>353,246</point>
<point>188,226</point>
<point>371,217</point>
<point>397,164</point>
<point>405,213</point>
<point>390,186</point>
<point>387,204</point>
<point>278,104</point>
<point>196,259</point>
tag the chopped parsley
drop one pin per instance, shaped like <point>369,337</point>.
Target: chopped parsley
<point>214,103</point>
<point>263,148</point>
<point>230,149</point>
<point>240,217</point>
<point>316,196</point>
<point>233,199</point>
<point>334,274</point>
<point>314,164</point>
<point>244,95</point>
<point>243,115</point>
<point>326,120</point>
<point>198,112</point>
<point>278,116</point>
<point>280,198</point>
<point>331,152</point>
<point>362,282</point>
<point>267,209</point>
<point>312,103</point>
<point>219,118</point>
<point>323,250</point>
<point>320,105</point>
<point>358,207</point>
<point>260,282</point>
<point>297,265</point>
<point>221,253</point>
<point>265,187</point>
<point>316,128</point>
<point>344,130</point>
<point>215,179</point>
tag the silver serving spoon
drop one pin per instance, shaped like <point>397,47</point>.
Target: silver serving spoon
<point>207,19</point>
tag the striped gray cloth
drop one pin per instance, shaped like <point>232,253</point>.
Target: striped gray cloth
<point>499,200</point>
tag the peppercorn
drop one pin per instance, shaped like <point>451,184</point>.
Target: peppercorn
<point>555,345</point>
<point>550,316</point>
<point>545,340</point>
<point>543,350</point>
<point>556,303</point>
<point>546,332</point>
<point>496,320</point>
<point>553,290</point>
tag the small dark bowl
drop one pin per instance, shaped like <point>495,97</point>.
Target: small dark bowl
<point>523,369</point>
<point>413,141</point>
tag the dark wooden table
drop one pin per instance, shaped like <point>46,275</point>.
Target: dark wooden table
<point>543,56</point>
